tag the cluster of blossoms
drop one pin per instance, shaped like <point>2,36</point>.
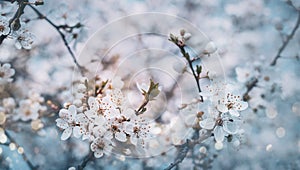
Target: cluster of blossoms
<point>222,116</point>
<point>24,39</point>
<point>102,117</point>
<point>218,107</point>
<point>28,109</point>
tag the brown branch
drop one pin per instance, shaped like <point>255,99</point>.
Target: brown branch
<point>250,85</point>
<point>285,43</point>
<point>63,37</point>
<point>190,63</point>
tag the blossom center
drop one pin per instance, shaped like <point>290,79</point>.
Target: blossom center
<point>2,74</point>
<point>101,145</point>
<point>219,122</point>
<point>2,28</point>
<point>27,112</point>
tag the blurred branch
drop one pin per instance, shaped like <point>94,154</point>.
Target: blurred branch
<point>285,43</point>
<point>63,37</point>
<point>88,158</point>
<point>250,85</point>
<point>25,158</point>
<point>185,148</point>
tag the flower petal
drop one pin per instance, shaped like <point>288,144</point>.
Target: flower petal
<point>98,153</point>
<point>61,123</point>
<point>121,136</point>
<point>243,105</point>
<point>219,133</point>
<point>63,113</point>
<point>222,108</point>
<point>230,127</point>
<point>66,134</point>
<point>234,113</point>
<point>76,132</point>
<point>207,123</point>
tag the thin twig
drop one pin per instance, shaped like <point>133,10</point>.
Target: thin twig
<point>190,62</point>
<point>24,156</point>
<point>285,43</point>
<point>88,158</point>
<point>63,37</point>
<point>141,109</point>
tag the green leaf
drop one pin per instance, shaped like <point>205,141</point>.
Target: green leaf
<point>199,69</point>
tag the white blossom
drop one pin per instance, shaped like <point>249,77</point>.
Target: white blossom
<point>232,104</point>
<point>4,26</point>
<point>29,110</point>
<point>24,39</point>
<point>69,121</point>
<point>101,145</point>
<point>6,72</point>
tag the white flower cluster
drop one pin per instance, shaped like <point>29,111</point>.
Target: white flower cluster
<point>223,115</point>
<point>103,118</point>
<point>30,108</point>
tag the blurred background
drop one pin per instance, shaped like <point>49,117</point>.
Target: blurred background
<point>248,35</point>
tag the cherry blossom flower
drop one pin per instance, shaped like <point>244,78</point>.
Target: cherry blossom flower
<point>244,74</point>
<point>24,39</point>
<point>138,129</point>
<point>69,122</point>
<point>101,145</point>
<point>6,72</point>
<point>4,26</point>
<point>29,110</point>
<point>232,104</point>
<point>222,126</point>
<point>9,103</point>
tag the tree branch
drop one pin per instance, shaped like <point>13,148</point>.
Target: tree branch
<point>88,158</point>
<point>250,85</point>
<point>63,37</point>
<point>285,43</point>
<point>184,149</point>
<point>190,63</point>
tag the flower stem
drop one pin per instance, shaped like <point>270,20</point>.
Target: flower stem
<point>285,43</point>
<point>190,63</point>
